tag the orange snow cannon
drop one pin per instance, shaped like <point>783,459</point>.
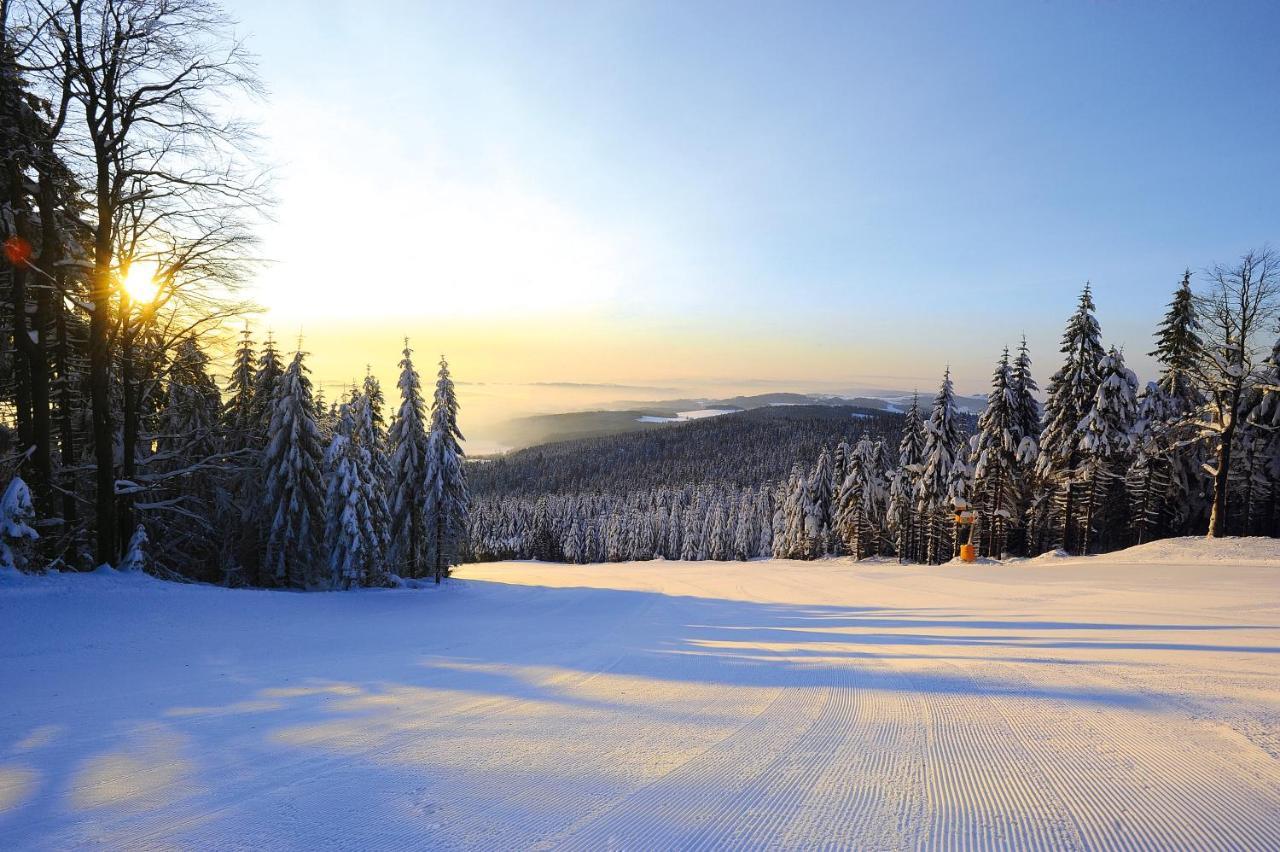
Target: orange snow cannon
<point>968,553</point>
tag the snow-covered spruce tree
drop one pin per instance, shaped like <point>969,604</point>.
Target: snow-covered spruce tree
<point>781,493</point>
<point>942,451</point>
<point>447,501</point>
<point>408,440</point>
<point>959,491</point>
<point>690,532</point>
<point>352,540</point>
<point>542,533</point>
<point>135,554</point>
<point>572,546</point>
<point>714,531</point>
<point>237,411</point>
<point>244,496</point>
<point>1147,481</point>
<point>372,440</point>
<point>249,487</point>
<point>1106,439</point>
<point>800,519</point>
<point>1026,407</point>
<point>821,492</point>
<point>1182,456</point>
<point>1027,416</point>
<point>377,403</point>
<point>1178,344</point>
<point>1069,396</point>
<point>902,518</point>
<point>193,408</point>
<point>17,514</point>
<point>862,501</point>
<point>326,414</point>
<point>195,480</point>
<point>270,369</point>
<point>674,542</point>
<point>294,500</point>
<point>745,535</point>
<point>997,481</point>
<point>764,521</point>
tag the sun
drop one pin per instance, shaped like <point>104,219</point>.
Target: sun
<point>141,281</point>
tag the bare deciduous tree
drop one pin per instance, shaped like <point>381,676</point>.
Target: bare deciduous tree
<point>1240,303</point>
<point>166,173</point>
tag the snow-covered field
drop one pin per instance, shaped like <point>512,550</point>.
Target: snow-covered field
<point>1129,701</point>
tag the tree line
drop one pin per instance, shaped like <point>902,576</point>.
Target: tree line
<point>1103,464</point>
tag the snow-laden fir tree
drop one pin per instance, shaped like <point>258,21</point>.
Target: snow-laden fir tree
<point>1106,437</point>
<point>190,470</point>
<point>373,395</point>
<point>1178,344</point>
<point>1069,396</point>
<point>1148,479</point>
<point>1026,406</point>
<point>572,546</point>
<point>799,518</point>
<point>542,532</point>
<point>862,501</point>
<point>294,499</point>
<point>370,437</point>
<point>1027,415</point>
<point>645,534</point>
<point>241,546</point>
<point>764,521</point>
<point>249,438</point>
<point>408,440</point>
<point>821,493</point>
<point>674,541</point>
<point>997,482</point>
<point>902,517</point>
<point>690,532</point>
<point>615,538</point>
<point>237,411</point>
<point>942,452</point>
<point>193,409</point>
<point>1181,459</point>
<point>352,540</point>
<point>270,369</point>
<point>447,501</point>
<point>17,514</point>
<point>746,536</point>
<point>135,554</point>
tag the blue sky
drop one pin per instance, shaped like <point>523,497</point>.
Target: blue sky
<point>855,189</point>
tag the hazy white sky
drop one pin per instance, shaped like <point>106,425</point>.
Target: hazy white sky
<point>704,194</point>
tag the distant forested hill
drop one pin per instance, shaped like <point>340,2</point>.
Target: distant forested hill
<point>741,449</point>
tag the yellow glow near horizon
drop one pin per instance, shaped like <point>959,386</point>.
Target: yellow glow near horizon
<point>142,281</point>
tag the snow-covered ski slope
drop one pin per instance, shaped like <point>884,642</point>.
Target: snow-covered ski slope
<point>1128,701</point>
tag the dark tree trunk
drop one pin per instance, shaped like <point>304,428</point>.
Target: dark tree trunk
<point>129,443</point>
<point>66,396</point>
<point>107,551</point>
<point>1221,477</point>
<point>439,567</point>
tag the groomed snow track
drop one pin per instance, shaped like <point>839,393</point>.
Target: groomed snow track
<point>1121,702</point>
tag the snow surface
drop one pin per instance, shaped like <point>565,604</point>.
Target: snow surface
<point>1127,701</point>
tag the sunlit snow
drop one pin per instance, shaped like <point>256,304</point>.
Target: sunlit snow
<point>1128,700</point>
